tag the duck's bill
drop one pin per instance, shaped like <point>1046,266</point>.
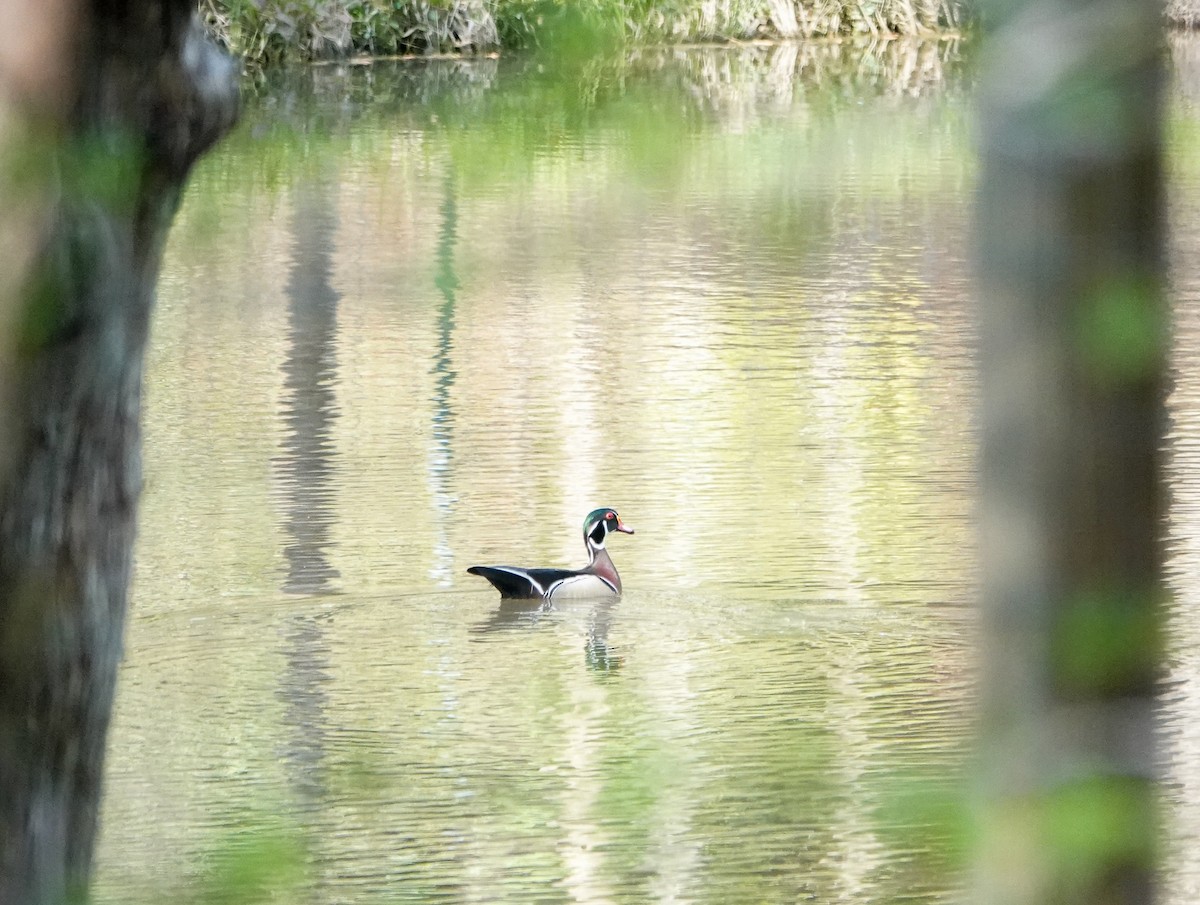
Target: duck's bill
<point>622,527</point>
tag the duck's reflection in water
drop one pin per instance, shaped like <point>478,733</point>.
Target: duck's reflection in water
<point>600,655</point>
<point>518,615</point>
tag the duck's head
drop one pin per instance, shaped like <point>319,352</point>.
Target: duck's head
<point>599,523</point>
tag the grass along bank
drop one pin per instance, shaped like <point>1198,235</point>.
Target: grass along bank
<point>275,30</point>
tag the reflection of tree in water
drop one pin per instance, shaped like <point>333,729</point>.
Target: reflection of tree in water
<point>441,458</point>
<point>305,468</point>
<point>302,691</point>
<point>305,472</point>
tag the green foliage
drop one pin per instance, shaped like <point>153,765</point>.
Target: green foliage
<point>380,27</point>
<point>272,30</point>
<point>1108,642</point>
<point>1122,331</point>
<point>571,30</point>
<point>1099,824</point>
<point>1077,834</point>
<point>259,860</point>
<point>263,866</point>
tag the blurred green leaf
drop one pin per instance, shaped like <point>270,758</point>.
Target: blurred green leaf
<point>1122,330</point>
<point>262,863</point>
<point>1107,640</point>
<point>1100,823</point>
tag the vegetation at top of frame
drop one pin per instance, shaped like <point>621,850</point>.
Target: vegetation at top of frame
<point>274,30</point>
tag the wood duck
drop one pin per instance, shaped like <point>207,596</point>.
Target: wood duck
<point>598,578</point>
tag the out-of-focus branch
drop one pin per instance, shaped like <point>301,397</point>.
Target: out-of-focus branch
<point>1074,332</point>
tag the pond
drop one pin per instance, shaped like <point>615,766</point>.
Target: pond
<point>416,316</point>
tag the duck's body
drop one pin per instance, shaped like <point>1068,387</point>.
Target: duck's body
<point>598,578</point>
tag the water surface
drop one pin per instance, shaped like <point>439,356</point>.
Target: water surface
<point>417,316</point>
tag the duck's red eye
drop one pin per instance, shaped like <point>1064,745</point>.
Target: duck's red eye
<point>610,515</point>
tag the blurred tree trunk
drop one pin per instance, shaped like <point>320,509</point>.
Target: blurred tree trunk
<point>104,107</point>
<point>1074,332</point>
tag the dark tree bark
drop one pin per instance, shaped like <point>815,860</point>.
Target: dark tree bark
<point>1074,336</point>
<point>140,94</point>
